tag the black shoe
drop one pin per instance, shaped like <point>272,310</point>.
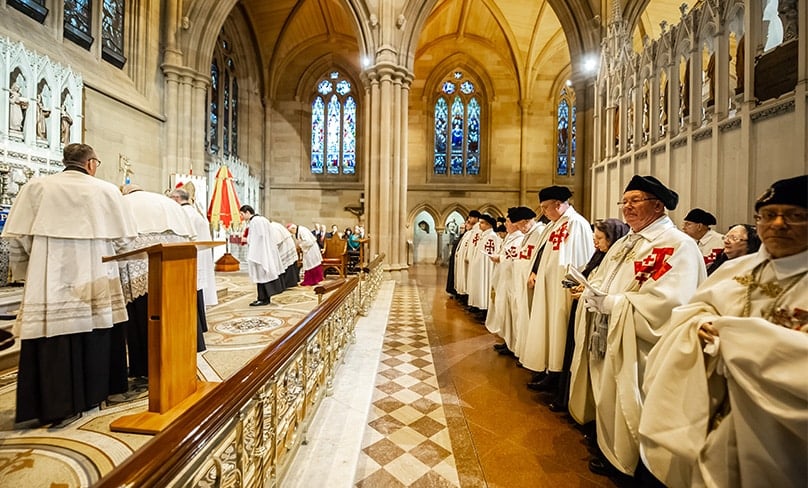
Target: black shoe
<point>557,407</point>
<point>505,352</point>
<point>499,347</point>
<point>538,377</point>
<point>62,423</point>
<point>601,466</point>
<point>259,303</point>
<point>549,383</point>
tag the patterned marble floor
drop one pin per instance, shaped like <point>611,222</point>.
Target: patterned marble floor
<point>407,442</point>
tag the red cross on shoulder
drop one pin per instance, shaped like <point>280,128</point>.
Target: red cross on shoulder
<point>653,266</point>
<point>559,236</point>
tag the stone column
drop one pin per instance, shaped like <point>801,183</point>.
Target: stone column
<point>184,104</point>
<point>386,183</point>
<point>524,105</point>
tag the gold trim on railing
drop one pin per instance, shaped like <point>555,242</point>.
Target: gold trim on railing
<point>245,432</point>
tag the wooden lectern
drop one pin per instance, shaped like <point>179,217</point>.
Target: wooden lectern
<point>173,386</point>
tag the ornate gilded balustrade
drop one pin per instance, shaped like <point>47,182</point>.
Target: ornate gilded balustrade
<point>246,431</point>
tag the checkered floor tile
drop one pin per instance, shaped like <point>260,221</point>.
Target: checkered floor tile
<point>406,443</point>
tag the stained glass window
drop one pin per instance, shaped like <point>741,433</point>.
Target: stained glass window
<point>213,126</point>
<point>78,22</point>
<point>226,113</point>
<point>317,135</point>
<point>223,101</point>
<point>457,125</point>
<point>333,126</point>
<point>234,116</point>
<point>112,32</point>
<point>565,135</point>
<point>36,9</point>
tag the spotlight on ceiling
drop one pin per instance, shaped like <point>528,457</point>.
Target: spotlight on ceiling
<point>590,63</point>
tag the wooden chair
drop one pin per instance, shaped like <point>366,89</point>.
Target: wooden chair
<point>335,255</point>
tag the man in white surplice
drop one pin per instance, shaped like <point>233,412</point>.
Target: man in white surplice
<point>263,260</point>
<point>643,276</point>
<point>73,350</point>
<point>738,354</point>
<point>480,264</point>
<point>287,249</point>
<point>312,255</point>
<point>205,272</point>
<point>159,221</point>
<point>567,241</point>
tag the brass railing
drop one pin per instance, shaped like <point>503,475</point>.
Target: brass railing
<point>245,432</point>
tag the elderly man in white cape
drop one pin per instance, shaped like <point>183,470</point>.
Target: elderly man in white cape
<point>697,224</point>
<point>263,260</point>
<point>469,238</point>
<point>206,295</point>
<point>481,266</point>
<point>159,221</point>
<point>500,317</point>
<point>312,255</point>
<point>287,250</point>
<point>566,242</point>
<point>727,395</point>
<point>73,350</point>
<point>643,276</point>
<point>523,295</point>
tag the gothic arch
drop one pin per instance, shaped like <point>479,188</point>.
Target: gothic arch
<point>424,207</point>
<point>316,69</point>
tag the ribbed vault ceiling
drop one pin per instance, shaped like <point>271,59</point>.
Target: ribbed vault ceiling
<point>527,30</point>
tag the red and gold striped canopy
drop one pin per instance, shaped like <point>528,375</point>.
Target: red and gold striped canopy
<point>224,202</point>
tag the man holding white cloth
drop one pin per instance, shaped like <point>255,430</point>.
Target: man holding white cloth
<point>647,273</point>
<point>737,355</point>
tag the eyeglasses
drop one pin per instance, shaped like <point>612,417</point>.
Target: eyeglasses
<point>792,217</point>
<point>634,201</point>
<point>734,239</point>
<point>97,161</point>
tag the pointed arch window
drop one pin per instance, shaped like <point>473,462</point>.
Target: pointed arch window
<point>78,22</point>
<point>457,116</point>
<point>221,138</point>
<point>36,9</point>
<point>565,134</point>
<point>112,32</point>
<point>333,126</point>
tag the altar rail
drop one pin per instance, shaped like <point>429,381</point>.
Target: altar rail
<point>246,431</point>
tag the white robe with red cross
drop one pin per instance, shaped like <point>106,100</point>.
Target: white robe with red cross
<point>646,274</point>
<point>568,243</point>
<point>478,281</point>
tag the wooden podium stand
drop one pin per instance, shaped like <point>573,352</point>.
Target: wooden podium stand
<point>173,386</point>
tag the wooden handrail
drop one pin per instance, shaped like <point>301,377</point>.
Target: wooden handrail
<point>376,262</point>
<point>164,457</point>
<point>326,287</point>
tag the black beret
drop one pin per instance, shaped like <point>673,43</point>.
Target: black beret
<point>700,216</point>
<point>517,214</point>
<point>555,193</point>
<point>475,213</point>
<point>500,220</point>
<point>651,185</point>
<point>500,228</point>
<point>491,220</point>
<point>791,191</point>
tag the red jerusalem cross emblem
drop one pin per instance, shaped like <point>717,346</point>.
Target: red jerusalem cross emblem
<point>653,266</point>
<point>708,259</point>
<point>475,238</point>
<point>559,235</point>
<point>490,247</point>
